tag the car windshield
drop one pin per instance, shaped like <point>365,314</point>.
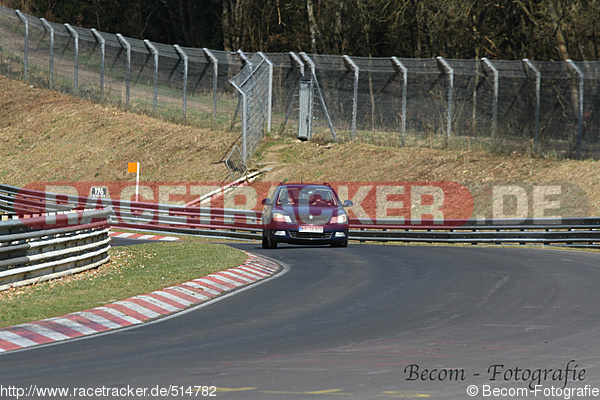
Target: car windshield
<point>307,195</point>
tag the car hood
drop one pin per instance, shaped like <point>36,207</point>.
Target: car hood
<point>308,214</point>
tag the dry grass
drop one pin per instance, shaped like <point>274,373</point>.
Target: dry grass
<point>475,169</point>
<point>48,136</point>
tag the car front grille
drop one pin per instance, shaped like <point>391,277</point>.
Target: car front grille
<point>310,235</point>
<point>315,220</point>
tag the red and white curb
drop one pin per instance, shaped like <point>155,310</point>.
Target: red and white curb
<point>138,309</point>
<point>127,235</point>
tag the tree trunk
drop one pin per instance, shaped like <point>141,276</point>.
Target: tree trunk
<point>339,41</point>
<point>232,23</point>
<point>315,34</point>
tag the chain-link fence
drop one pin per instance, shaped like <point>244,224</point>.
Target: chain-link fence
<point>254,83</point>
<point>549,108</point>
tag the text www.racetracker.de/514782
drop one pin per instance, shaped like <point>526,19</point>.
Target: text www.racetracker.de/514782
<point>33,391</point>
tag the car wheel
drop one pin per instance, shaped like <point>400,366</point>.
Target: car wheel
<point>267,243</point>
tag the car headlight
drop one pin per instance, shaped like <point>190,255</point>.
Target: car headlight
<point>339,219</point>
<point>280,217</point>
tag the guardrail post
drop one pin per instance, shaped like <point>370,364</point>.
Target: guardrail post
<point>23,18</point>
<point>215,65</point>
<point>538,84</point>
<point>127,46</point>
<point>446,68</point>
<point>398,64</point>
<point>50,29</point>
<point>581,77</point>
<point>100,39</point>
<point>152,49</point>
<point>185,59</point>
<point>75,36</point>
<point>494,70</point>
<point>356,70</point>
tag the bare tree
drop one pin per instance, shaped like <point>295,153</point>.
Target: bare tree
<point>232,23</point>
<point>509,29</point>
<point>315,32</point>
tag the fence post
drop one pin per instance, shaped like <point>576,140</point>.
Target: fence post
<point>296,60</point>
<point>215,64</point>
<point>242,102</point>
<point>100,39</point>
<point>538,84</point>
<point>446,68</point>
<point>581,77</point>
<point>398,64</point>
<point>489,64</point>
<point>185,59</point>
<point>75,36</point>
<point>125,44</point>
<point>244,57</point>
<point>244,119</point>
<point>50,29</point>
<point>245,60</point>
<point>152,49</point>
<point>26,51</point>
<point>356,70</point>
<point>270,93</point>
<point>313,70</point>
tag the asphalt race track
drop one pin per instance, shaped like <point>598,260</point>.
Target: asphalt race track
<point>365,322</point>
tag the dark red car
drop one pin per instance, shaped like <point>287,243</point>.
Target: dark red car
<point>301,213</point>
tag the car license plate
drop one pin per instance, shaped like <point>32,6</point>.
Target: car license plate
<point>312,229</point>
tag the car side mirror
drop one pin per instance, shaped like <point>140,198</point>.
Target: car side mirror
<point>347,203</point>
<point>266,202</point>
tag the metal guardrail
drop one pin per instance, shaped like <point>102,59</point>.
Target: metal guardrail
<point>129,214</point>
<point>581,232</point>
<point>46,247</point>
<point>246,224</point>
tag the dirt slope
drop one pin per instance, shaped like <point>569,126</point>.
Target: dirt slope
<point>46,136</point>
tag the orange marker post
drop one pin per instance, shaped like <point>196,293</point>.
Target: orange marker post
<point>134,167</point>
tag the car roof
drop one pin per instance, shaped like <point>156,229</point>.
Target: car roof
<point>301,185</point>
